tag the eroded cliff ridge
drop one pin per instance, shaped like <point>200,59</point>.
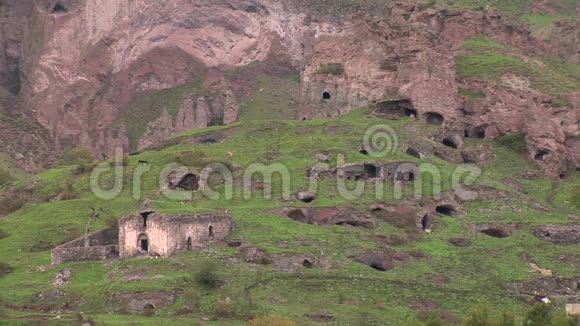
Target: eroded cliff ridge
<point>130,73</point>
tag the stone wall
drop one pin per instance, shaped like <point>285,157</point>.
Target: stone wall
<point>377,171</point>
<point>101,246</point>
<point>67,254</point>
<point>166,234</point>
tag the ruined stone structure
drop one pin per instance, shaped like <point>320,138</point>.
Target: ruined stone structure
<point>101,246</point>
<point>148,233</point>
<point>371,171</point>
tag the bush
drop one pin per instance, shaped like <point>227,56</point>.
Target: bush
<point>5,269</point>
<point>272,321</point>
<point>3,234</point>
<point>207,276</point>
<point>331,69</point>
<point>78,155</point>
<point>540,315</point>
<point>10,204</point>
<point>5,177</point>
<point>70,193</point>
<point>515,142</point>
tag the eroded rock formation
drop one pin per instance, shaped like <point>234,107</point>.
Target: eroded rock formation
<point>128,74</point>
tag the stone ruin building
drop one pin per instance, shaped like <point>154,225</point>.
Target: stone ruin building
<point>370,171</point>
<point>147,234</point>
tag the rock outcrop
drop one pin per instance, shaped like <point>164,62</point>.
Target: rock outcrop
<point>129,74</point>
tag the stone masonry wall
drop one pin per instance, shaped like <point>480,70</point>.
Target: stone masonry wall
<point>167,234</point>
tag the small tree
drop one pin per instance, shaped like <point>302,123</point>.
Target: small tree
<point>540,315</point>
<point>95,215</point>
<point>78,155</point>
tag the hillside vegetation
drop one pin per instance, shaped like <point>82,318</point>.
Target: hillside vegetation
<point>441,279</point>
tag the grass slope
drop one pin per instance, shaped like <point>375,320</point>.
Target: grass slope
<point>476,276</point>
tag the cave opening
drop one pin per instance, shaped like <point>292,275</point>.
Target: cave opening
<point>475,132</point>
<point>307,263</point>
<point>496,232</point>
<point>435,118</point>
<point>189,182</point>
<point>450,143</point>
<point>326,96</point>
<point>297,215</point>
<point>541,155</point>
<point>411,113</point>
<point>426,223</point>
<point>377,266</point>
<point>58,8</point>
<point>446,210</point>
<point>371,171</point>
<point>413,152</point>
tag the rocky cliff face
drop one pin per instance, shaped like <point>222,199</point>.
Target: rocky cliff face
<point>128,73</point>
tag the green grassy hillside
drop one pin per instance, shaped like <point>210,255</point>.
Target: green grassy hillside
<point>455,281</point>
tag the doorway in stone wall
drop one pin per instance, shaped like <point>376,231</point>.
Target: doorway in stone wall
<point>143,243</point>
<point>210,230</point>
<point>189,245</point>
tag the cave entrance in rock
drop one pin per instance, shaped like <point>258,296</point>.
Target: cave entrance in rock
<point>307,263</point>
<point>395,109</point>
<point>297,215</point>
<point>475,132</point>
<point>326,96</point>
<point>541,155</point>
<point>411,113</point>
<point>413,152</point>
<point>189,244</point>
<point>189,182</point>
<point>449,142</point>
<point>58,8</point>
<point>377,266</point>
<point>496,232</point>
<point>434,118</point>
<point>143,243</point>
<point>210,232</point>
<point>426,222</point>
<point>448,210</point>
<point>408,176</point>
<point>370,171</point>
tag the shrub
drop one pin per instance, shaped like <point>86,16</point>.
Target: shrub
<point>70,193</point>
<point>272,321</point>
<point>83,168</point>
<point>5,177</point>
<point>331,69</point>
<point>5,269</point>
<point>515,142</point>
<point>78,155</point>
<point>540,315</point>
<point>3,234</point>
<point>207,276</point>
<point>225,309</point>
<point>10,204</point>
